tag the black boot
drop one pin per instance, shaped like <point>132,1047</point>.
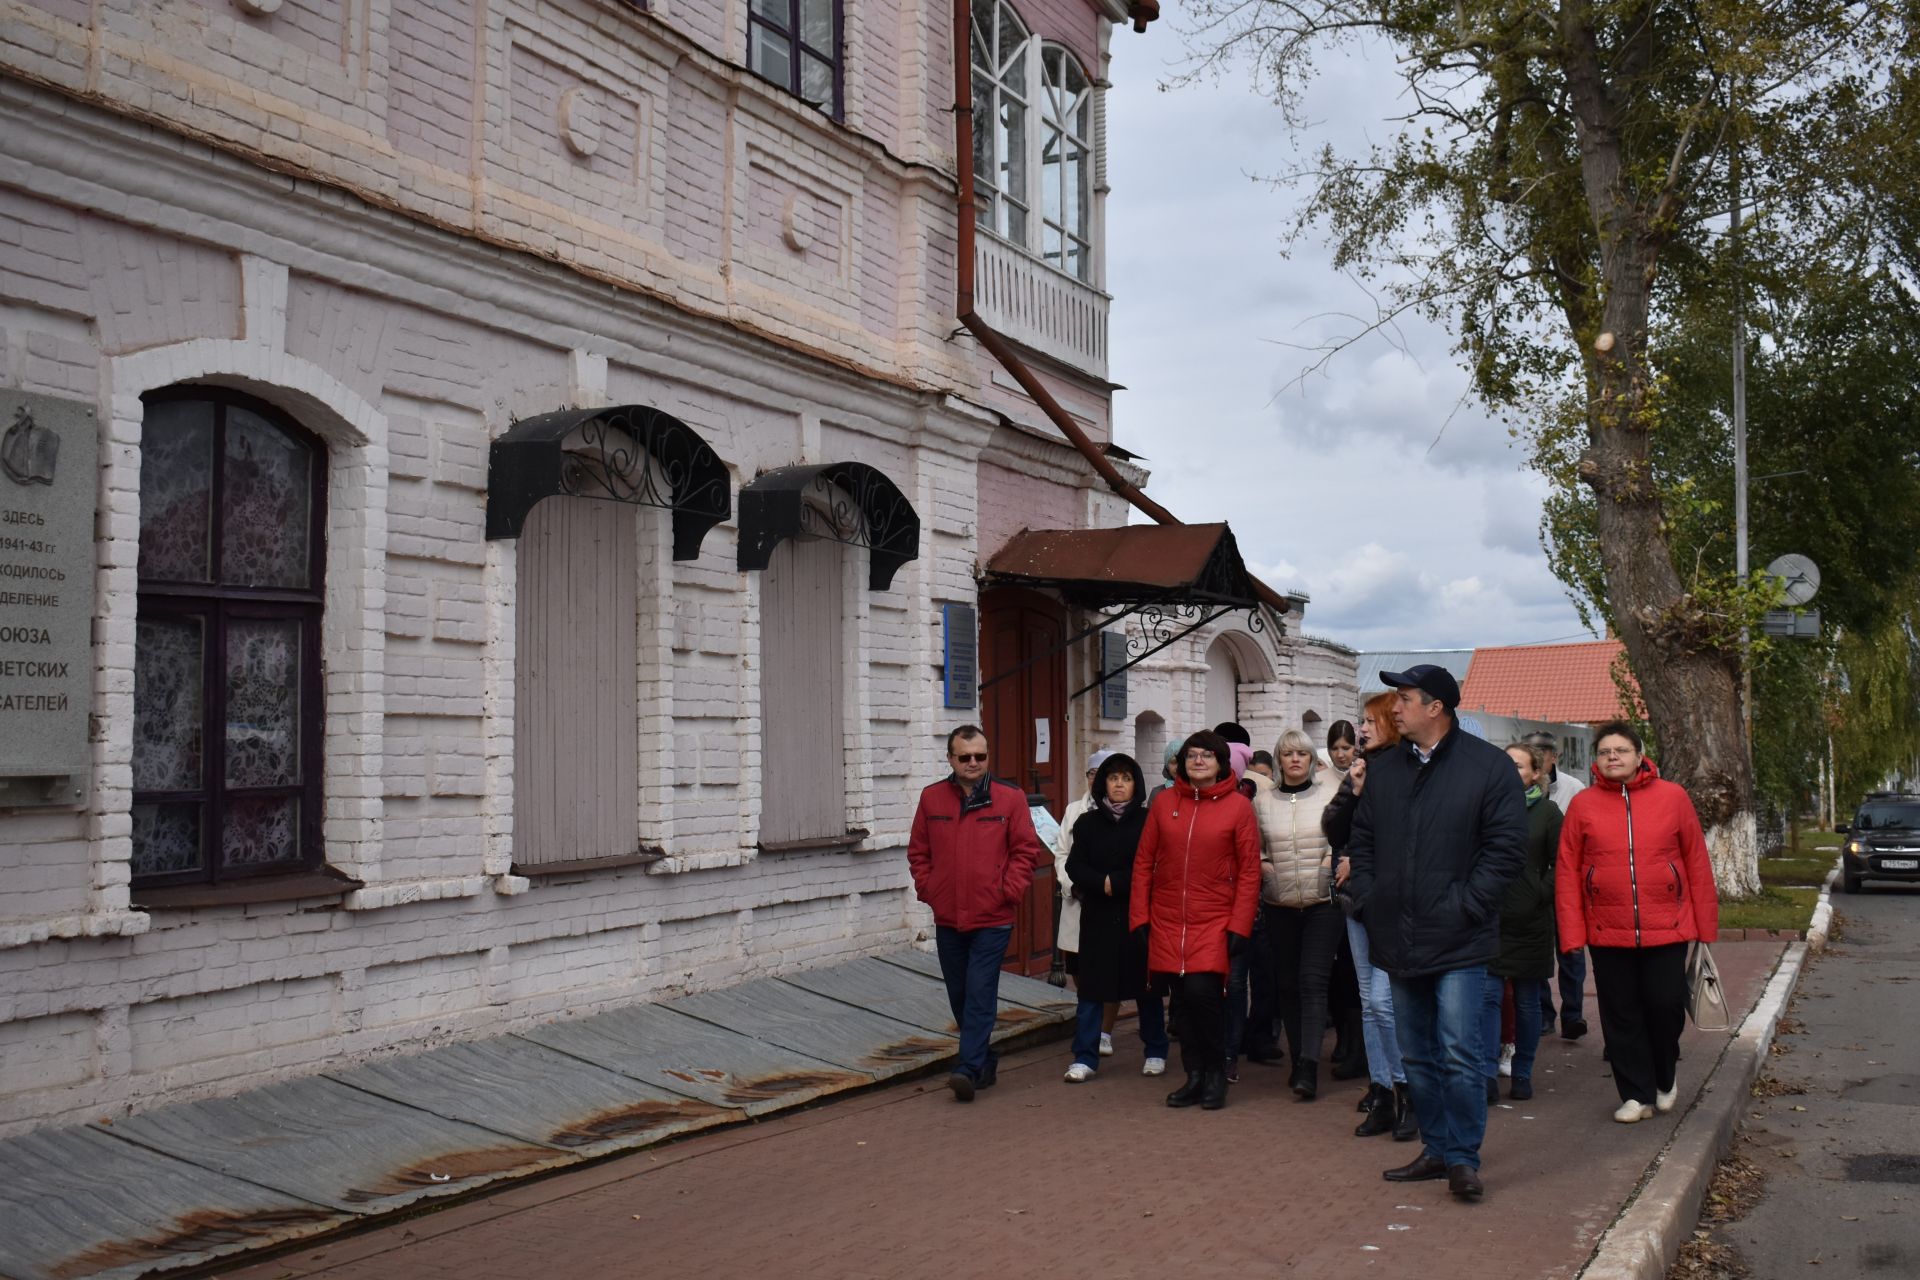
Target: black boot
<point>1381,1117</point>
<point>1406,1127</point>
<point>1305,1081</point>
<point>1213,1094</point>
<point>1350,1049</point>
<point>1189,1093</point>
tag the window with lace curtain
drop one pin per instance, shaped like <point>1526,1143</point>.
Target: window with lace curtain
<point>226,686</point>
<point>1033,141</point>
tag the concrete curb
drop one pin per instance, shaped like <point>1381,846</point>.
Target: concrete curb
<point>1645,1239</point>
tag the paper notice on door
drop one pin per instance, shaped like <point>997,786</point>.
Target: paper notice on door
<point>1043,742</point>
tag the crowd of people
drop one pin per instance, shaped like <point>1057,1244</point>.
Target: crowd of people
<point>1418,890</point>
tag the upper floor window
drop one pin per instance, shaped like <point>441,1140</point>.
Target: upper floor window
<point>1013,74</point>
<point>226,683</point>
<point>1066,162</point>
<point>796,44</point>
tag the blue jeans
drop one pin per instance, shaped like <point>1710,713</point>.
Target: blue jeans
<point>1441,1020</point>
<point>1087,1018</point>
<point>970,964</point>
<point>1573,981</point>
<point>1153,1026</point>
<point>1384,1067</point>
<point>1528,996</point>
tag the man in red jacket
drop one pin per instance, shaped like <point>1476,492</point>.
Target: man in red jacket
<point>973,852</point>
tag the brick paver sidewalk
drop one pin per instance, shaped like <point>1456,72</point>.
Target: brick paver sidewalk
<point>1040,1178</point>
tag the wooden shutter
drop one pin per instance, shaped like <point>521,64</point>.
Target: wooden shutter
<point>803,733</point>
<point>576,723</point>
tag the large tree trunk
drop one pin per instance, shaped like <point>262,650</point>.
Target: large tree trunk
<point>1687,666</point>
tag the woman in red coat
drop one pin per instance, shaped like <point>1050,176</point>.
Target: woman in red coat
<point>1634,886</point>
<point>1196,885</point>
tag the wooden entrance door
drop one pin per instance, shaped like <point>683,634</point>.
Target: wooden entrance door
<point>1025,716</point>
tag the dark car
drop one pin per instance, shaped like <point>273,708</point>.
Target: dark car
<point>1884,841</point>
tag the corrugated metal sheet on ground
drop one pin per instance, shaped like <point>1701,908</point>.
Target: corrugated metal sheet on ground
<point>333,1145</point>
<point>666,1048</point>
<point>536,1094</point>
<point>900,993</point>
<point>1029,992</point>
<point>783,1014</point>
<point>80,1202</point>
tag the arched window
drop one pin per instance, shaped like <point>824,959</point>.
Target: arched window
<point>226,685</point>
<point>1066,162</point>
<point>1001,97</point>
<point>1223,683</point>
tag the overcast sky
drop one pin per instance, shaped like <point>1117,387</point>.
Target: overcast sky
<point>1335,486</point>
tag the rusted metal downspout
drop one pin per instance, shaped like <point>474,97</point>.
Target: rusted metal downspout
<point>1001,349</point>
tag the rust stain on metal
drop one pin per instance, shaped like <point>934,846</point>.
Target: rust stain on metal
<point>1014,1017</point>
<point>195,1233</point>
<point>455,1167</point>
<point>912,1049</point>
<point>638,1118</point>
<point>681,1075</point>
<point>767,1088</point>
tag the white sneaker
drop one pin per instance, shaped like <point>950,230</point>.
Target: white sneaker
<point>1632,1112</point>
<point>1106,1044</point>
<point>1506,1059</point>
<point>1079,1073</point>
<point>1663,1101</point>
<point>1154,1067</point>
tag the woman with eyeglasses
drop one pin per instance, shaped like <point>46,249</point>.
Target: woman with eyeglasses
<point>1387,1106</point>
<point>1196,884</point>
<point>1635,887</point>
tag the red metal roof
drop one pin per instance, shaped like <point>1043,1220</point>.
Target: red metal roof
<point>1131,563</point>
<point>1568,683</point>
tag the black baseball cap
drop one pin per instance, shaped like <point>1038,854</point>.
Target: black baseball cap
<point>1436,682</point>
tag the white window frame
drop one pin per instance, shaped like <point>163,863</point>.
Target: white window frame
<point>1012,184</point>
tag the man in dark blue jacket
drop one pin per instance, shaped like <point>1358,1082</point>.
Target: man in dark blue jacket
<point>1440,830</point>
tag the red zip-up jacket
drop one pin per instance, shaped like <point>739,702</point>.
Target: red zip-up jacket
<point>1633,868</point>
<point>1196,876</point>
<point>973,868</point>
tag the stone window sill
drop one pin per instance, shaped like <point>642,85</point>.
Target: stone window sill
<point>303,886</point>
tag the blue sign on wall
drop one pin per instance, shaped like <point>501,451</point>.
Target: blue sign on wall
<point>961,647</point>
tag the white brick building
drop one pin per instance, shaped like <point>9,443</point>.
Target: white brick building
<point>362,777</point>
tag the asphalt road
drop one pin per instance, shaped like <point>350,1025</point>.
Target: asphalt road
<point>1842,1158</point>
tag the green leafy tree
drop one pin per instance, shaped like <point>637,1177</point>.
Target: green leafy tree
<point>1557,192</point>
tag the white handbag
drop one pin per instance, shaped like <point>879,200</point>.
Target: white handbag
<point>1706,998</point>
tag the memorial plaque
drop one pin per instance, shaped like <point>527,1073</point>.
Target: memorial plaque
<point>961,654</point>
<point>49,474</point>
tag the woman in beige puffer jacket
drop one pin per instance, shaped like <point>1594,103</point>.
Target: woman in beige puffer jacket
<point>1296,892</point>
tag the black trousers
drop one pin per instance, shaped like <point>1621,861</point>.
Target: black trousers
<point>1304,941</point>
<point>1642,993</point>
<point>1199,1013</point>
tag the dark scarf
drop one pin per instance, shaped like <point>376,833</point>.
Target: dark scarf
<point>978,798</point>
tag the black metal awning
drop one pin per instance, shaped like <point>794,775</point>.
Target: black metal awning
<point>848,502</point>
<point>627,453</point>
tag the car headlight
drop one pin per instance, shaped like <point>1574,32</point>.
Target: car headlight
<point>1856,846</point>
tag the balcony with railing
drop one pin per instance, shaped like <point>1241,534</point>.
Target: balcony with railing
<point>1039,307</point>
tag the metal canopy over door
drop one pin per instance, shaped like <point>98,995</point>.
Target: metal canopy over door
<point>1023,634</point>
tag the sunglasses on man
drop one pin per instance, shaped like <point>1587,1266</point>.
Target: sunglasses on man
<point>977,757</point>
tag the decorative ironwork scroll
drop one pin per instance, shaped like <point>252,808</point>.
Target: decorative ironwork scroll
<point>630,453</point>
<point>848,502</point>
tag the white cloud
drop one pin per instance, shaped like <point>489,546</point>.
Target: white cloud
<point>1402,509</point>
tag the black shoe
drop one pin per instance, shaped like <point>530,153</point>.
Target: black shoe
<point>1573,1030</point>
<point>962,1085</point>
<point>1493,1090</point>
<point>1381,1117</point>
<point>989,1077</point>
<point>1233,1071</point>
<point>1406,1126</point>
<point>1425,1168</point>
<point>1189,1093</point>
<point>1264,1054</point>
<point>1213,1094</point>
<point>1305,1081</point>
<point>1464,1181</point>
<point>1373,1097</point>
<point>1521,1090</point>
